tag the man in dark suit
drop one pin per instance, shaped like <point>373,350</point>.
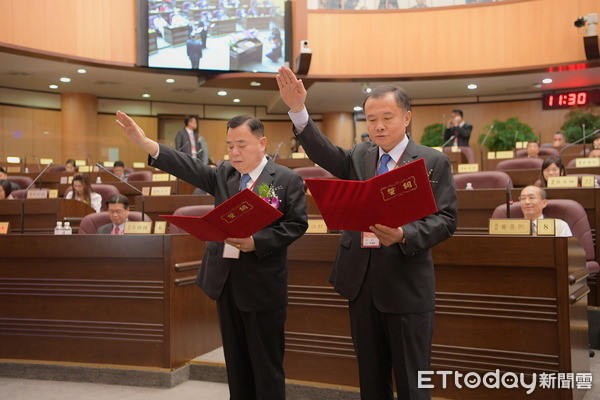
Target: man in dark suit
<point>250,290</point>
<point>194,50</point>
<point>457,129</point>
<point>118,212</point>
<point>190,142</point>
<point>391,288</point>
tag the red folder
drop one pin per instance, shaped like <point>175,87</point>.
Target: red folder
<point>241,216</point>
<point>393,199</point>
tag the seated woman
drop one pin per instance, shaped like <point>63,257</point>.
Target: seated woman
<point>552,166</point>
<point>5,190</point>
<point>82,191</point>
<point>70,165</point>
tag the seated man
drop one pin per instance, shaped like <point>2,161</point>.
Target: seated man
<point>4,177</point>
<point>595,153</point>
<point>118,211</point>
<point>119,170</point>
<point>559,139</point>
<point>533,201</point>
<point>533,149</point>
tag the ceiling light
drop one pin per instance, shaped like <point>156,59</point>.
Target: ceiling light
<point>254,83</point>
<point>81,71</point>
<point>236,100</point>
<point>357,108</point>
<point>547,81</point>
<point>222,93</point>
<point>53,86</point>
<point>65,79</point>
<point>146,95</point>
<point>170,80</point>
<point>471,86</point>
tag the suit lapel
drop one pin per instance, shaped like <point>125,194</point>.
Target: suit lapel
<point>233,183</point>
<point>410,154</point>
<point>370,166</point>
<point>266,176</point>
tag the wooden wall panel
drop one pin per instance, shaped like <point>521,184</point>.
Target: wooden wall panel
<point>110,135</point>
<point>46,131</point>
<point>16,124</point>
<point>29,24</point>
<point>7,21</point>
<point>61,34</point>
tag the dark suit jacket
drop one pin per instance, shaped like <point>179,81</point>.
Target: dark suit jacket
<point>258,278</point>
<point>463,134</point>
<point>402,274</point>
<point>182,143</point>
<point>105,229</point>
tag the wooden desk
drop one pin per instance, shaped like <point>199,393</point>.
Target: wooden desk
<point>295,162</point>
<point>176,35</point>
<point>223,26</point>
<point>157,205</point>
<point>41,214</point>
<point>502,302</point>
<point>101,299</point>
<point>525,177</point>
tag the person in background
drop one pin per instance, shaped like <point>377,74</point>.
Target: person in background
<point>559,139</point>
<point>275,39</point>
<point>365,137</point>
<point>457,127</point>
<point>595,153</point>
<point>533,149</point>
<point>190,142</point>
<point>552,166</point>
<point>82,191</point>
<point>119,170</point>
<point>596,143</point>
<point>5,190</point>
<point>118,212</point>
<point>533,200</point>
<point>70,166</point>
<point>420,4</point>
<point>4,176</point>
<point>194,49</point>
<point>294,145</point>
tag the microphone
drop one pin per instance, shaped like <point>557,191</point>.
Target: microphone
<point>578,141</point>
<point>87,156</point>
<point>508,198</point>
<point>128,184</point>
<point>449,140</point>
<point>24,197</point>
<point>36,159</point>
<point>277,150</point>
<point>483,142</point>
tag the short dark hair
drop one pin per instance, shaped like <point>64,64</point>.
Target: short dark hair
<point>118,199</point>
<point>70,161</point>
<point>256,126</point>
<point>458,111</point>
<point>534,141</point>
<point>188,118</point>
<point>561,133</point>
<point>119,164</point>
<point>6,186</point>
<point>400,95</point>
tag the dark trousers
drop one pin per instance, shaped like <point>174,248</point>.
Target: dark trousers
<point>382,341</point>
<point>253,343</point>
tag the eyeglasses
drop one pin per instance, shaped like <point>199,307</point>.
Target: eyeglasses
<point>530,198</point>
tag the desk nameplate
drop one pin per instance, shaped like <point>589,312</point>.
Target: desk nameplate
<point>510,226</point>
<point>316,226</point>
<point>160,191</point>
<point>4,226</point>
<point>587,162</point>
<point>546,227</point>
<point>138,227</point>
<point>160,177</point>
<point>563,181</point>
<point>462,168</point>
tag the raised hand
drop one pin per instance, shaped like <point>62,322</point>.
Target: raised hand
<point>136,134</point>
<point>291,89</point>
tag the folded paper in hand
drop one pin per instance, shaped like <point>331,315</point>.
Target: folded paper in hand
<point>240,216</point>
<point>393,199</point>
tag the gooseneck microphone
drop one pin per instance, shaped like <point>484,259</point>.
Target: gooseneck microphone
<point>128,184</point>
<point>449,140</point>
<point>508,198</point>
<point>24,197</point>
<point>579,141</point>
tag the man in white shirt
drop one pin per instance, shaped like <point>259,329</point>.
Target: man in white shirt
<point>118,211</point>
<point>188,140</point>
<point>533,201</point>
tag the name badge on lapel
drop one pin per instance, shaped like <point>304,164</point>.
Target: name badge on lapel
<point>369,240</point>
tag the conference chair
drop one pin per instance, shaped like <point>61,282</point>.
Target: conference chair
<point>313,173</point>
<point>104,190</point>
<point>520,163</point>
<point>468,152</point>
<point>573,214</point>
<point>22,181</point>
<point>190,211</point>
<point>91,222</point>
<point>483,180</point>
<point>544,151</point>
<point>139,176</point>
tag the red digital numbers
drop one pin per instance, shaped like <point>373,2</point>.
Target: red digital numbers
<point>565,100</point>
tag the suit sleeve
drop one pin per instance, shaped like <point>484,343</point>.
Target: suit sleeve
<point>288,228</point>
<point>425,233</point>
<point>205,153</point>
<point>319,149</point>
<point>185,168</point>
<point>465,131</point>
<point>179,141</point>
<point>447,133</point>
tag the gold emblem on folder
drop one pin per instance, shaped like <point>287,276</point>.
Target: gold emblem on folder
<point>237,212</point>
<point>399,188</point>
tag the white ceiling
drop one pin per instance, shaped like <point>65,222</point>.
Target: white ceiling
<point>324,95</point>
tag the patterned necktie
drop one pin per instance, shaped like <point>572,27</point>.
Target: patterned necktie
<point>117,231</point>
<point>383,162</point>
<point>245,180</point>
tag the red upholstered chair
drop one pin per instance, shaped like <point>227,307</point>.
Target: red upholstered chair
<point>18,194</point>
<point>128,170</point>
<point>139,176</point>
<point>58,168</point>
<point>544,151</point>
<point>573,214</point>
<point>520,163</point>
<point>483,180</point>
<point>466,150</point>
<point>104,190</point>
<point>22,181</point>
<point>91,222</point>
<point>313,173</point>
<point>190,211</point>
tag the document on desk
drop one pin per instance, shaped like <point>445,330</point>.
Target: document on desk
<point>393,199</point>
<point>240,216</point>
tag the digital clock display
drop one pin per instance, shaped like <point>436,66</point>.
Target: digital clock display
<point>570,99</point>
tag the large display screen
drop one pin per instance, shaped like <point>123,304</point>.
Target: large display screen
<point>221,35</point>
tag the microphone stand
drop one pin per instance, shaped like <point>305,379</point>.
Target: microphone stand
<point>449,140</point>
<point>483,142</point>
<point>23,199</point>
<point>578,141</point>
<point>128,184</point>
<point>277,151</point>
<point>508,199</point>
